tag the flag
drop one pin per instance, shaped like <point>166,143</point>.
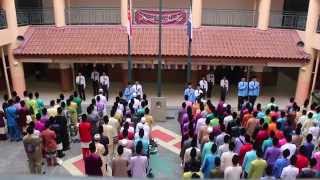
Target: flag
<point>129,26</point>
<point>189,26</point>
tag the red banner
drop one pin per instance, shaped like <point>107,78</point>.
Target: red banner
<point>151,17</point>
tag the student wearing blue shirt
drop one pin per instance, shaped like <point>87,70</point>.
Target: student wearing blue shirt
<point>208,163</point>
<point>254,90</point>
<point>11,114</point>
<point>281,163</point>
<point>190,93</point>
<point>242,92</point>
<point>128,93</point>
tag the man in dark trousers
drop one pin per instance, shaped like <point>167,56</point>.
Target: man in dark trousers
<point>242,92</point>
<point>62,120</point>
<point>210,79</point>
<point>95,77</point>
<point>81,85</point>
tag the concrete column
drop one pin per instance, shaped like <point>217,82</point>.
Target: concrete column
<point>194,75</point>
<point>258,72</point>
<point>264,14</point>
<point>61,73</point>
<point>59,13</point>
<point>305,72</point>
<point>124,12</point>
<point>196,13</point>
<point>124,69</point>
<point>66,77</point>
<point>16,68</point>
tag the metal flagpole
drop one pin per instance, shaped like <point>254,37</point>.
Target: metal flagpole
<point>129,61</point>
<point>159,55</point>
<point>5,72</point>
<point>189,48</point>
<point>129,44</point>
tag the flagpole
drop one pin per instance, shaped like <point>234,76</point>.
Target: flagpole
<point>189,63</point>
<point>159,51</point>
<point>189,49</point>
<point>129,43</point>
<point>129,61</point>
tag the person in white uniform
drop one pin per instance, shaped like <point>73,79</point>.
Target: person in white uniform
<point>81,85</point>
<point>204,86</point>
<point>105,84</point>
<point>224,86</point>
<point>137,89</point>
<point>210,80</point>
<point>95,77</point>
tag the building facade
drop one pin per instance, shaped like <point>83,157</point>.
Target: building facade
<point>233,36</point>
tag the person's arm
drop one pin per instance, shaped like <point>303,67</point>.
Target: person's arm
<point>108,82</point>
<point>204,165</point>
<point>251,171</point>
<point>245,159</point>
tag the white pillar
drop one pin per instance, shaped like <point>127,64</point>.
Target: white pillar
<point>305,72</point>
<point>124,12</point>
<point>196,13</point>
<point>264,14</point>
<point>59,13</point>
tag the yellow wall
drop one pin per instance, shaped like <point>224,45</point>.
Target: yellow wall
<point>5,35</point>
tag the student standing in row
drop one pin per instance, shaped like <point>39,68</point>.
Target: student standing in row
<point>95,81</point>
<point>242,92</point>
<point>81,85</point>
<point>105,84</point>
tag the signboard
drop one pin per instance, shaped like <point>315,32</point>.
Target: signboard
<point>151,17</point>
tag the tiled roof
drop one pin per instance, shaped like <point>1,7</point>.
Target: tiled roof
<point>214,42</point>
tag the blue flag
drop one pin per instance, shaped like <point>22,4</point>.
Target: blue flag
<point>189,26</point>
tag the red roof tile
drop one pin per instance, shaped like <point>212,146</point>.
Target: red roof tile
<point>215,42</point>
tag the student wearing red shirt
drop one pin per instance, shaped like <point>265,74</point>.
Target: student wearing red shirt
<point>302,160</point>
<point>245,148</point>
<point>262,134</point>
<point>85,135</point>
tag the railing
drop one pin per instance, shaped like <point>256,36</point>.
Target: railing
<point>226,17</point>
<point>288,20</point>
<point>35,17</point>
<point>3,19</point>
<point>92,15</point>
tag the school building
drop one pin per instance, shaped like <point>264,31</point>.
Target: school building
<point>55,39</point>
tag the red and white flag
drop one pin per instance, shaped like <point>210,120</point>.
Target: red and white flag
<point>129,26</point>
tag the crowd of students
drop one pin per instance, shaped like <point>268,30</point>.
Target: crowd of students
<point>48,131</point>
<point>262,141</point>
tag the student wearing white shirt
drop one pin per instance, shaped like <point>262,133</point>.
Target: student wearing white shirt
<point>81,85</point>
<point>198,92</point>
<point>210,80</point>
<point>105,84</point>
<point>224,86</point>
<point>95,81</point>
<point>233,172</point>
<point>290,172</point>
<point>137,89</point>
<point>204,86</point>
